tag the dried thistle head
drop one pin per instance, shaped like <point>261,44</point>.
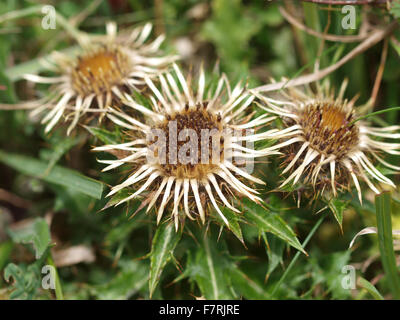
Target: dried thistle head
<point>106,68</point>
<point>325,147</point>
<point>188,151</point>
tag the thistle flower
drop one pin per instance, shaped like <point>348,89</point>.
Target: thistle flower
<point>325,147</point>
<point>107,67</point>
<point>196,172</point>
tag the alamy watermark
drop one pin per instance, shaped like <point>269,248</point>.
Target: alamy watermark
<point>50,18</point>
<point>349,277</point>
<point>49,277</point>
<point>186,147</point>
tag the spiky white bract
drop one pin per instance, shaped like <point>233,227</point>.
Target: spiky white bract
<point>106,67</point>
<point>189,186</point>
<point>325,145</point>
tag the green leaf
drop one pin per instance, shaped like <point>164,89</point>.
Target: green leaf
<point>249,288</point>
<point>162,248</point>
<point>270,222</point>
<point>275,248</point>
<point>233,220</point>
<point>384,223</point>
<point>60,147</point>
<point>37,233</point>
<point>119,196</point>
<point>103,135</point>
<point>395,9</point>
<point>5,252</point>
<point>131,278</point>
<point>210,270</point>
<point>26,280</point>
<point>230,29</point>
<point>337,207</point>
<point>58,175</point>
<point>370,288</point>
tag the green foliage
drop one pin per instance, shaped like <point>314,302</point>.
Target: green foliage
<point>384,223</point>
<point>395,9</point>
<point>135,258</point>
<point>37,234</point>
<point>337,207</point>
<point>268,221</point>
<point>162,249</point>
<point>26,280</point>
<point>57,175</point>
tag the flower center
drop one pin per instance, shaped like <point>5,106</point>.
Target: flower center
<point>99,71</point>
<point>326,127</point>
<point>189,144</point>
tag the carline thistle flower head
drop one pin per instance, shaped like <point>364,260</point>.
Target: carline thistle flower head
<point>107,67</point>
<point>325,147</point>
<point>189,147</point>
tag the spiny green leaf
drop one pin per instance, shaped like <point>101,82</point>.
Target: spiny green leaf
<point>163,246</point>
<point>270,222</point>
<point>234,225</point>
<point>58,175</point>
<point>131,279</point>
<point>338,207</point>
<point>104,135</point>
<point>209,268</point>
<point>275,248</point>
<point>247,287</point>
<point>37,233</point>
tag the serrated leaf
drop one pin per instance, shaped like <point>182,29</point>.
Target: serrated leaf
<point>275,248</point>
<point>247,287</point>
<point>234,225</point>
<point>270,222</point>
<point>119,196</point>
<point>210,270</point>
<point>131,279</point>
<point>58,175</point>
<point>338,207</point>
<point>37,233</point>
<point>103,135</point>
<point>162,248</point>
<point>26,280</point>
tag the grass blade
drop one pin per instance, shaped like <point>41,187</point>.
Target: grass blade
<point>384,223</point>
<point>370,288</point>
<point>58,175</point>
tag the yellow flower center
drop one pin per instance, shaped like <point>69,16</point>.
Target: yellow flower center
<point>326,125</point>
<point>193,143</point>
<point>97,72</point>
